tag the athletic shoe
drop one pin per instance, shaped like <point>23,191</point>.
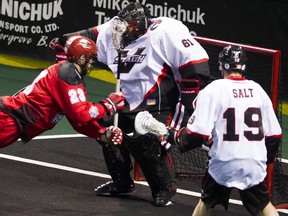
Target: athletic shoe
<point>162,199</point>
<point>111,189</point>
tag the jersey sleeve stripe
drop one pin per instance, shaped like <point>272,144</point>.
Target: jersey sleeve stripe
<point>193,62</point>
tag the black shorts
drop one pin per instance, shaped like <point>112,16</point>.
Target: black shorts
<point>254,199</point>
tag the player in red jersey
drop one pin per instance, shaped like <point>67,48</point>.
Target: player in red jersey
<point>57,91</point>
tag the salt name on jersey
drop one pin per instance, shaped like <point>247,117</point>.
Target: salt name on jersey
<point>242,93</point>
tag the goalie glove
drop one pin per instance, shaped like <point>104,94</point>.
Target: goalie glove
<point>113,103</point>
<point>58,49</point>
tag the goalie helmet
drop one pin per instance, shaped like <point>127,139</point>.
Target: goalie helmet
<point>81,50</point>
<point>232,58</point>
<point>138,18</point>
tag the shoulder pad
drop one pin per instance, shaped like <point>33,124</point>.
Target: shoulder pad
<point>68,73</point>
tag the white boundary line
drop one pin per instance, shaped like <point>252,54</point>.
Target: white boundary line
<point>80,135</point>
<point>54,166</point>
<point>101,175</point>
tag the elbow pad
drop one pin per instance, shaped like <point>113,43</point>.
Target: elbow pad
<point>272,145</point>
<point>189,89</point>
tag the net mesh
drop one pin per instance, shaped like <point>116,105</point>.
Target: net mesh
<point>279,196</point>
<point>190,164</point>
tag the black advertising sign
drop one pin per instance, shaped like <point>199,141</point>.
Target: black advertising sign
<point>27,27</point>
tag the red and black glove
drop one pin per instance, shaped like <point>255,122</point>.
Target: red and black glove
<point>174,135</point>
<point>114,135</point>
<point>184,139</point>
<point>58,49</point>
<point>113,103</point>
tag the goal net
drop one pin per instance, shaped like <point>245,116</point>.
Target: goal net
<point>263,66</point>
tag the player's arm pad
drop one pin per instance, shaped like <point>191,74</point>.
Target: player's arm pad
<point>272,146</point>
<point>89,33</point>
<point>184,139</point>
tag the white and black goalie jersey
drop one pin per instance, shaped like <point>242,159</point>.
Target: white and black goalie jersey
<point>151,64</point>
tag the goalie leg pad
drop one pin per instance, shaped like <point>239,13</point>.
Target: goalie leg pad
<point>147,151</point>
<point>118,163</point>
<point>139,143</point>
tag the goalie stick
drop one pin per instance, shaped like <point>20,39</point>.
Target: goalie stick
<point>118,27</point>
<point>117,88</point>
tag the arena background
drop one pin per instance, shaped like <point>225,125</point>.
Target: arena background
<point>27,27</point>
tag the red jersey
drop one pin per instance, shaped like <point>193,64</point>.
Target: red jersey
<point>57,91</point>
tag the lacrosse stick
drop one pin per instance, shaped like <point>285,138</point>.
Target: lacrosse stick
<point>21,90</point>
<point>117,88</point>
<point>146,123</point>
<point>118,27</point>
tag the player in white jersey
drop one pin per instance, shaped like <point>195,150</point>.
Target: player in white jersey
<point>238,115</point>
<point>162,69</point>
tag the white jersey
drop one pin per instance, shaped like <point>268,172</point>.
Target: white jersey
<point>166,46</point>
<point>239,115</point>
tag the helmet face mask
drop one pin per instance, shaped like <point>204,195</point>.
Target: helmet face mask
<point>232,58</point>
<point>137,16</point>
<point>86,63</point>
<point>133,12</point>
<point>82,51</point>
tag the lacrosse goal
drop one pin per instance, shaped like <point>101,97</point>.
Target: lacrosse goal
<point>263,66</point>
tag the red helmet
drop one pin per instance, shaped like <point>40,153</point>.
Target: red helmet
<point>76,46</point>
